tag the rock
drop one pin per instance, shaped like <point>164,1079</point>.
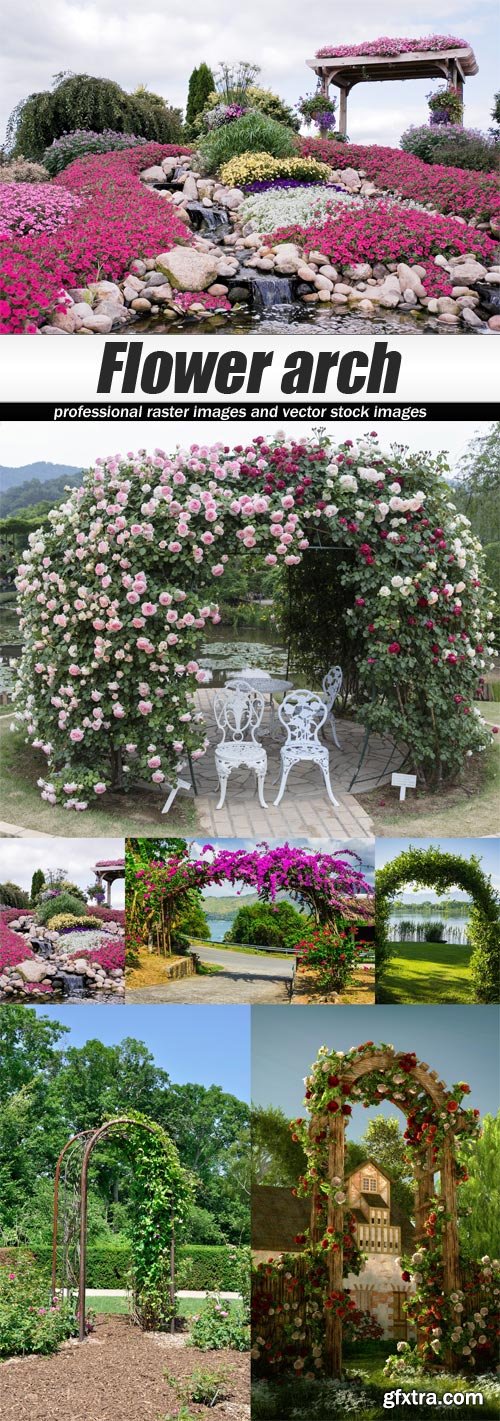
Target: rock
<point>31,971</point>
<point>408,280</point>
<point>54,331</point>
<point>318,257</point>
<point>187,270</point>
<point>441,261</point>
<point>448,319</point>
<point>190,189</point>
<point>380,271</point>
<point>66,321</point>
<point>323,284</point>
<point>135,282</point>
<point>337,298</point>
<point>343,289</point>
<point>119,315</point>
<point>80,964</point>
<point>329,271</point>
<point>410,298</point>
<point>97,322</point>
<point>388,294</point>
<point>466,270</point>
<point>470,318</point>
<point>169,165</point>
<point>153,175</point>
<point>162,294</point>
<point>462,291</point>
<point>104,290</point>
<point>253,239</point>
<point>206,187</point>
<point>239,293</point>
<point>218,289</point>
<point>139,267</point>
<point>233,197</point>
<point>494,323</point>
<point>446,304</point>
<point>360,271</point>
<point>141,304</point>
<point>366,307</point>
<point>155,278</point>
<point>130,292</point>
<point>351,179</point>
<point>223,268</point>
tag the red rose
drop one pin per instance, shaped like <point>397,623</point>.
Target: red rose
<point>394,648</point>
<point>333,1080</point>
<point>332,1106</point>
<point>406,1277</point>
<point>346,1110</point>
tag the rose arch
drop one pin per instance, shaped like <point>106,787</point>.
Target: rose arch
<point>329,886</point>
<point>442,1289</point>
<point>116,593</point>
<point>432,868</point>
<point>162,1195</point>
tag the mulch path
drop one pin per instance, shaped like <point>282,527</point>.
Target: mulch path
<point>118,1375</point>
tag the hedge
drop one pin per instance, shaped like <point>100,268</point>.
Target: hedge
<point>199,1266</point>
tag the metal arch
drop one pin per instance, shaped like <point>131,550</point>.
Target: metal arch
<point>81,1135</point>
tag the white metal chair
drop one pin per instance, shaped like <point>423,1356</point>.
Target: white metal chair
<point>238,710</point>
<point>332,683</point>
<point>303,713</point>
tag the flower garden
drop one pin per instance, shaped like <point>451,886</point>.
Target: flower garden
<point>302,1306</point>
<point>61,947</point>
<point>108,679</point>
<point>336,901</point>
<point>245,215</point>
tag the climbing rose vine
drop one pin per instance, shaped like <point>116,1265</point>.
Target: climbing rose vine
<point>392,46</point>
<point>116,593</point>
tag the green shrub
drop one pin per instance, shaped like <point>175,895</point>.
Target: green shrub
<point>82,101</point>
<point>30,1320</point>
<point>21,170</point>
<point>108,1263</point>
<point>201,85</point>
<point>74,145</point>
<point>12,896</point>
<point>210,1267</point>
<point>206,1388</point>
<point>72,920</point>
<point>219,1326</point>
<point>434,932</point>
<point>268,925</point>
<point>254,133</point>
<point>452,146</point>
<point>62,903</point>
<point>270,104</point>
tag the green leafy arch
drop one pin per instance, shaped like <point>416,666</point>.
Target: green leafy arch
<point>433,868</point>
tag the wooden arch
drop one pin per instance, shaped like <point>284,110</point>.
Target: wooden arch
<point>453,65</point>
<point>334,1127</point>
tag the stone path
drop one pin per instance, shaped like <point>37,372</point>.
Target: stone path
<point>305,810</point>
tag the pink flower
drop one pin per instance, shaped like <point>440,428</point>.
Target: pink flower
<point>218,570</point>
<point>145,707</point>
<point>76,735</point>
<point>118,711</point>
<point>148,609</point>
<point>100,788</point>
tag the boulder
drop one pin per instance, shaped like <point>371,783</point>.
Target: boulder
<point>187,270</point>
<point>190,189</point>
<point>97,322</point>
<point>409,280</point>
<point>466,270</point>
<point>470,318</point>
<point>360,271</point>
<point>494,323</point>
<point>31,971</point>
<point>105,291</point>
<point>233,197</point>
<point>153,175</point>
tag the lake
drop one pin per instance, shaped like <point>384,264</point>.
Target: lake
<point>455,925</point>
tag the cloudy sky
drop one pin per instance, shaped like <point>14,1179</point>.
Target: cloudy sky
<point>23,443</point>
<point>20,857</point>
<point>158,45</point>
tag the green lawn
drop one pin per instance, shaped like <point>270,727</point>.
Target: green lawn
<point>186,1307</point>
<point>237,947</point>
<point>470,808</point>
<point>426,972</point>
<point>108,1305</point>
<point>137,813</point>
<point>286,1399</point>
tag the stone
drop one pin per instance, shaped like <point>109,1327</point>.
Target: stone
<point>380,271</point>
<point>31,971</point>
<point>119,315</point>
<point>218,289</point>
<point>318,257</point>
<point>103,290</point>
<point>470,318</point>
<point>323,284</point>
<point>471,300</point>
<point>135,282</point>
<point>160,293</point>
<point>359,271</point>
<point>447,304</point>
<point>55,331</point>
<point>153,175</point>
<point>263,264</point>
<point>130,292</point>
<point>223,268</point>
<point>97,322</point>
<point>325,295</point>
<point>155,278</point>
<point>186,269</point>
<point>329,271</point>
<point>239,293</point>
<point>462,291</point>
<point>447,319</point>
<point>408,280</point>
<point>351,179</point>
<point>338,298</point>
<point>343,289</point>
<point>252,239</point>
<point>494,323</point>
<point>366,307</point>
<point>141,304</point>
<point>306,273</point>
<point>66,321</point>
<point>190,189</point>
<point>466,270</point>
<point>388,294</point>
<point>206,187</point>
<point>233,197</point>
<point>410,298</point>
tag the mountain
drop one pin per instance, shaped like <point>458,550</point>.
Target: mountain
<point>11,477</point>
<point>37,493</point>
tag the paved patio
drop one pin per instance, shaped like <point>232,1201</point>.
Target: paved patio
<point>305,810</point>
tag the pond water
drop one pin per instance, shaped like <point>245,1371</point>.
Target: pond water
<point>226,650</point>
<point>280,318</point>
<point>454,925</point>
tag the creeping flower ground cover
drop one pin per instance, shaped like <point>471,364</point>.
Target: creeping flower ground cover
<point>36,208</point>
<point>387,232</point>
<point>276,208</point>
<point>117,221</point>
<point>390,46</point>
<point>450,190</point>
<point>116,591</point>
<point>13,948</point>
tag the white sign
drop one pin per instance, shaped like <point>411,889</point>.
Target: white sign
<point>404,782</point>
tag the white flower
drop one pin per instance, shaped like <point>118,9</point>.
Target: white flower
<point>384,592</point>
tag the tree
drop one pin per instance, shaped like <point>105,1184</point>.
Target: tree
<point>201,85</point>
<point>82,101</point>
<point>28,1048</point>
<point>277,1159</point>
<point>384,1143</point>
<point>37,883</point>
<point>12,896</point>
<point>479,1224</point>
<point>268,925</point>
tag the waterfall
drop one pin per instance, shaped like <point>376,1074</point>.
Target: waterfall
<point>269,290</point>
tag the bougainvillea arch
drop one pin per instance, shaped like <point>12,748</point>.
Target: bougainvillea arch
<point>328,885</point>
<point>449,1329</point>
<point>163,1192</point>
<point>433,868</point>
<point>116,593</point>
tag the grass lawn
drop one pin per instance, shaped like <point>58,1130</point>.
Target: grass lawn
<point>238,947</point>
<point>426,972</point>
<point>364,1369</point>
<point>470,808</point>
<point>103,1304</point>
<point>186,1307</point>
<point>137,813</point>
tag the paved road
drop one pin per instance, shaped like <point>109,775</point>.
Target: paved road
<point>246,978</point>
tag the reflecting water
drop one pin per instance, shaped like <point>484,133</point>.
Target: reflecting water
<point>408,926</point>
<point>225,651</point>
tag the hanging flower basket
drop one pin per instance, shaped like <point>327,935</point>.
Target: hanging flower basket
<point>318,109</point>
<point>445,106</point>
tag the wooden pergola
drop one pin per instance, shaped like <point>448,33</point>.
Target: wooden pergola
<point>344,71</point>
<point>107,871</point>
